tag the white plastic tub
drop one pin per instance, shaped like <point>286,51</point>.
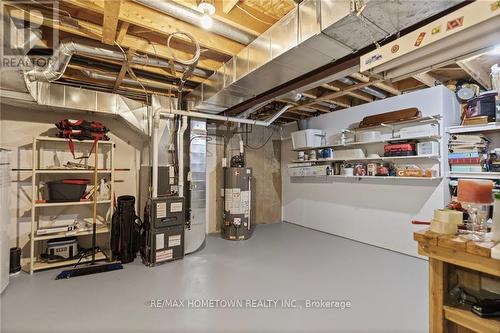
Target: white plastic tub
<point>309,138</point>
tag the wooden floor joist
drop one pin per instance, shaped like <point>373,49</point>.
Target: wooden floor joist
<point>94,31</point>
<point>110,21</point>
<point>153,20</point>
<point>337,86</point>
<point>336,94</point>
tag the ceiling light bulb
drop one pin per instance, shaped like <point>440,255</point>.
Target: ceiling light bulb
<point>206,21</point>
<point>206,7</point>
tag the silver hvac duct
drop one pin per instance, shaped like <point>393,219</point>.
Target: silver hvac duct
<point>193,17</point>
<point>313,34</point>
<point>112,78</point>
<point>68,47</point>
<point>367,90</point>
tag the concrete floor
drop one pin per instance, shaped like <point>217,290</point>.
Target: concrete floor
<point>388,290</point>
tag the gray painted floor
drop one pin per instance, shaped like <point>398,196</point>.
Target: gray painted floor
<point>388,290</point>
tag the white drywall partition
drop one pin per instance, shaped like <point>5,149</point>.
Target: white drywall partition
<point>373,211</point>
<point>19,124</point>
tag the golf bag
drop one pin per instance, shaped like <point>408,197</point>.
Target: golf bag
<point>125,230</point>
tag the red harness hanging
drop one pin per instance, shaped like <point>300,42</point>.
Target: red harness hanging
<point>82,130</point>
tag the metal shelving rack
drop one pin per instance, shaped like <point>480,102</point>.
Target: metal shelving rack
<point>34,264</point>
<point>437,159</point>
<point>475,129</point>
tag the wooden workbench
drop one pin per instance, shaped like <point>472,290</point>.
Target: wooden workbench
<point>446,253</point>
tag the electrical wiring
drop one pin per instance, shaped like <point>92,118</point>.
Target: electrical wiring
<point>265,143</point>
<point>252,16</point>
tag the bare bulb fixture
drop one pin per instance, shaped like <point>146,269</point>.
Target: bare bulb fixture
<point>208,9</point>
<point>206,21</point>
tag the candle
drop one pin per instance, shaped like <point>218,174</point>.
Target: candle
<point>475,191</point>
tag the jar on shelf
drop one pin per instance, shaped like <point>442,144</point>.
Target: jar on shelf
<point>300,156</point>
<point>312,155</point>
<point>360,169</point>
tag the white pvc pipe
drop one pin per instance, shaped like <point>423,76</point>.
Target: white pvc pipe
<point>266,123</point>
<point>180,147</point>
<point>169,112</point>
<point>154,134</point>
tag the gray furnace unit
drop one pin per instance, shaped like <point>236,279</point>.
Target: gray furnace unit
<point>238,207</point>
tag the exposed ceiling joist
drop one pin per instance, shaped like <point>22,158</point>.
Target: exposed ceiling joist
<point>337,86</point>
<point>94,31</point>
<point>318,108</point>
<point>347,90</point>
<point>110,21</point>
<point>153,20</point>
<point>80,70</point>
<point>343,103</point>
<point>241,17</point>
<point>289,116</point>
<point>426,79</point>
<point>77,77</point>
<point>476,72</point>
<point>276,9</point>
<point>153,70</point>
<point>287,102</point>
<point>228,5</point>
<point>309,95</point>
<point>122,32</point>
<point>409,84</point>
<point>337,94</point>
<point>301,113</point>
<point>310,79</point>
<point>387,87</point>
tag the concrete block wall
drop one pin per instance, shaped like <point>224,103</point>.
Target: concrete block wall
<point>266,164</point>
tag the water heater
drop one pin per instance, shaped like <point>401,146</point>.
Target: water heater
<point>238,208</point>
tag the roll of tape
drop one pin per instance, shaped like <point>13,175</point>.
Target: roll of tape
<point>449,216</point>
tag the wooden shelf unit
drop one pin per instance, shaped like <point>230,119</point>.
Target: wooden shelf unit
<point>447,253</point>
<point>75,171</point>
<point>99,230</point>
<point>37,171</point>
<point>39,265</point>
<point>70,203</point>
<point>465,318</point>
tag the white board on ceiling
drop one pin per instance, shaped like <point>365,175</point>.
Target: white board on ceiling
<point>373,211</point>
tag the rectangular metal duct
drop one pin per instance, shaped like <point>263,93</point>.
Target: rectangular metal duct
<point>313,34</point>
<point>58,96</point>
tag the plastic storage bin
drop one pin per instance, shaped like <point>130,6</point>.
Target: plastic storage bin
<point>67,189</point>
<point>309,138</point>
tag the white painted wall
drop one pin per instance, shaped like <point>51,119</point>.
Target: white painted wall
<point>18,126</point>
<point>372,211</point>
